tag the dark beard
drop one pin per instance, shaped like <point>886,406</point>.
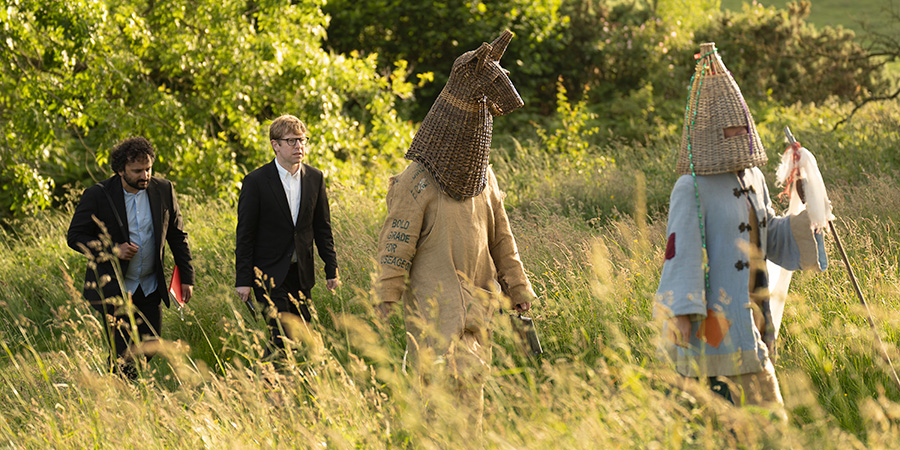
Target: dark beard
<point>135,184</point>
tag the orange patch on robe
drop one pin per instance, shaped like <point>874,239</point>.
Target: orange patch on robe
<point>713,328</point>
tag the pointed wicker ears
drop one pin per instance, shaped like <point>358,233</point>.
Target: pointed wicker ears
<point>493,51</point>
<point>482,55</point>
<point>499,44</point>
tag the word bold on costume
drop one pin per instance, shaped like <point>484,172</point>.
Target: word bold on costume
<point>400,223</point>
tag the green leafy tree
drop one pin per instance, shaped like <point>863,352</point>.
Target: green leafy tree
<point>778,53</point>
<point>431,34</point>
<point>634,59</point>
<point>199,78</point>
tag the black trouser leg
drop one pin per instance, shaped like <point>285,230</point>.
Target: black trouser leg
<point>147,318</point>
<point>281,298</point>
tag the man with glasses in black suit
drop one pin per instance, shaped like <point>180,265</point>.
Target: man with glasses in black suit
<point>282,210</point>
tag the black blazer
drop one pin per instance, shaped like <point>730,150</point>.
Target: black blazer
<point>265,236</point>
<point>84,234</point>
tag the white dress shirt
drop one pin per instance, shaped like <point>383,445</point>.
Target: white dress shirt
<point>291,184</point>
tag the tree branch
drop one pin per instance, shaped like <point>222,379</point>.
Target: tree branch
<point>863,103</point>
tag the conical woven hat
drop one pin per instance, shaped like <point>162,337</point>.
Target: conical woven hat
<point>454,140</point>
<point>716,103</point>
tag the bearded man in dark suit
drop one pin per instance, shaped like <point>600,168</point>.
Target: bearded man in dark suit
<point>138,212</point>
<point>282,210</point>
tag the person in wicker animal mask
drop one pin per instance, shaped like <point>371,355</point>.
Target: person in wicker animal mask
<point>454,141</point>
<point>447,234</point>
<point>721,230</point>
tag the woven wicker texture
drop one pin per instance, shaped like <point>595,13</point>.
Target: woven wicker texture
<point>716,103</point>
<point>454,140</point>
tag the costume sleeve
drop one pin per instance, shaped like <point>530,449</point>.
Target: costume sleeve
<point>407,200</point>
<point>511,272</point>
<point>83,229</point>
<point>178,240</point>
<point>322,233</point>
<point>791,242</point>
<point>245,234</point>
<point>682,285</point>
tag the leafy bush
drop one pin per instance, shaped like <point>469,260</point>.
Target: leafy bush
<point>199,80</point>
<point>430,35</point>
<point>637,75</point>
<point>776,53</point>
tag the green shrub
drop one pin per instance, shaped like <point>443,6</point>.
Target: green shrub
<point>200,81</point>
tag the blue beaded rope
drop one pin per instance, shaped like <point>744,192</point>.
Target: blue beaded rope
<point>693,117</point>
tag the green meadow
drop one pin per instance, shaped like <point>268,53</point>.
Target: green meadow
<point>858,16</point>
<point>592,243</point>
<point>586,169</point>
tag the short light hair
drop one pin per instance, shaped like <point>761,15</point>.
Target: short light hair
<point>285,125</point>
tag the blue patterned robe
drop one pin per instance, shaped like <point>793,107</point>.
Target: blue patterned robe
<point>724,337</point>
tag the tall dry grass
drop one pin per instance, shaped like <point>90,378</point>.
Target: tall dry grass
<point>595,262</point>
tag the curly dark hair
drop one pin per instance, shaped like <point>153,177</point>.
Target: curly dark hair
<point>130,150</point>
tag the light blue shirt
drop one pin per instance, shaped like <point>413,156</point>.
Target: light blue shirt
<point>140,232</point>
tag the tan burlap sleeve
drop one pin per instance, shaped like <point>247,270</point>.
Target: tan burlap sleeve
<point>510,271</point>
<point>406,200</point>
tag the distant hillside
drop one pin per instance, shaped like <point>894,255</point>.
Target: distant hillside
<point>851,15</point>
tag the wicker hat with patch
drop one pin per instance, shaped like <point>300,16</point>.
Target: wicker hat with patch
<point>454,140</point>
<point>714,104</point>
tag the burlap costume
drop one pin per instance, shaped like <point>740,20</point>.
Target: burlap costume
<point>721,229</point>
<point>446,231</point>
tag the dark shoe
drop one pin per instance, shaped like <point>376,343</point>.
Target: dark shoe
<point>126,370</point>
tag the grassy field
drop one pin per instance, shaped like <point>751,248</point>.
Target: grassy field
<point>590,235</point>
<point>855,15</point>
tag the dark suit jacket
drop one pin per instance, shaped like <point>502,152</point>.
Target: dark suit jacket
<point>84,234</point>
<point>266,236</point>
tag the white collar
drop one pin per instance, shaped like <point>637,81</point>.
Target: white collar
<point>283,173</point>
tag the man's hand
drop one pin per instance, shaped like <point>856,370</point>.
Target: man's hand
<point>127,251</point>
<point>243,292</point>
<point>682,331</point>
<point>332,284</point>
<point>187,291</point>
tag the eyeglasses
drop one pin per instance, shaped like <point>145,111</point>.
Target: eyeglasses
<point>294,141</point>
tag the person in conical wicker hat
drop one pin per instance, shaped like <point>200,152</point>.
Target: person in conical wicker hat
<point>721,229</point>
<point>446,249</point>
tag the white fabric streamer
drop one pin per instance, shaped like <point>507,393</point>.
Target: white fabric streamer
<point>819,214</point>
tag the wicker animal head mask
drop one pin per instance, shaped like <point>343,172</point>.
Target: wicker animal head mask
<point>716,103</point>
<point>454,140</point>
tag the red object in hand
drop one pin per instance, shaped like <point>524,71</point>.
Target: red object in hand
<point>175,286</point>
